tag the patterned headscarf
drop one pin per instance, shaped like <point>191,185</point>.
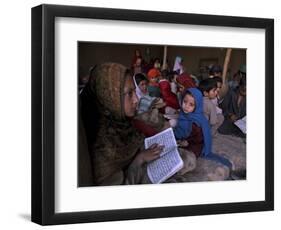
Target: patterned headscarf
<point>186,81</point>
<point>108,84</point>
<point>117,141</point>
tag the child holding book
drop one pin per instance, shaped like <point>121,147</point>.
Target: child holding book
<point>141,83</point>
<point>148,119</point>
<point>234,108</point>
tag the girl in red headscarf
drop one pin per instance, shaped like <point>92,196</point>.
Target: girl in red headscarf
<point>168,96</point>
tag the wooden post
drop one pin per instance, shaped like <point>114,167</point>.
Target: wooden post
<point>225,66</point>
<point>224,87</point>
<point>164,58</point>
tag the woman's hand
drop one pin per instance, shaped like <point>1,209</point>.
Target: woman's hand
<point>150,154</point>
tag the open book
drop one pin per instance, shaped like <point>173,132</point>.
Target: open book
<point>169,162</point>
<point>241,124</point>
<point>146,103</point>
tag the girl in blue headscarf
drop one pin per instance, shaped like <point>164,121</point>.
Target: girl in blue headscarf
<point>194,128</point>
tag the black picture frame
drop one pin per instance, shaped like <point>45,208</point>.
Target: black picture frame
<point>43,110</point>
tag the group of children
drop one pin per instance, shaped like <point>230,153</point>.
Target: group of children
<point>198,110</point>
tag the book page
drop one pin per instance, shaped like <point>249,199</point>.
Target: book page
<point>165,138</point>
<point>171,116</point>
<point>241,124</point>
<point>170,160</point>
<point>166,166</point>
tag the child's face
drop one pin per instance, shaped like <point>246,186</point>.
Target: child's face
<point>188,103</point>
<point>154,79</point>
<point>237,77</point>
<point>143,86</point>
<point>137,52</point>
<point>211,94</point>
<point>157,64</point>
<point>217,74</point>
<point>219,85</point>
<point>138,62</point>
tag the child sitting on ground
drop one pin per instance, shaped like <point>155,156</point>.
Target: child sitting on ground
<point>171,100</point>
<point>218,100</point>
<point>234,108</point>
<point>148,120</point>
<point>172,79</point>
<point>153,85</point>
<point>165,88</point>
<point>193,128</point>
<point>208,88</point>
<point>141,83</point>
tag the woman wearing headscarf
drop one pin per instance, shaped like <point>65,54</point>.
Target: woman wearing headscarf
<point>117,154</point>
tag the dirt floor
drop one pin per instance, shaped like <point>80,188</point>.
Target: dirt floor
<point>231,147</point>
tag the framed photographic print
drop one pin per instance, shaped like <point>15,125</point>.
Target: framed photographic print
<point>145,114</point>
